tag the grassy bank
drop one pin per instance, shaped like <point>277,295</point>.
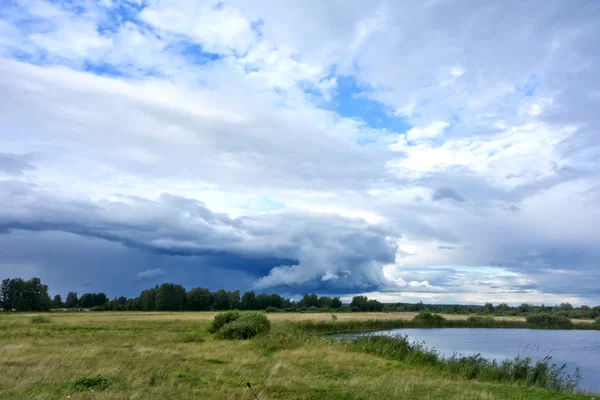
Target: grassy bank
<point>334,325</point>
<point>151,356</point>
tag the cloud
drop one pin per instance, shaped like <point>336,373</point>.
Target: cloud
<point>446,193</point>
<point>276,146</point>
<point>15,164</point>
<point>429,132</point>
<point>307,247</point>
<point>150,274</point>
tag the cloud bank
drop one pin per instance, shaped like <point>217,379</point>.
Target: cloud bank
<point>444,151</point>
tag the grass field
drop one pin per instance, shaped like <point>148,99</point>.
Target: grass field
<point>164,356</point>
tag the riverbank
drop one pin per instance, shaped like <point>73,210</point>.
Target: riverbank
<point>150,356</point>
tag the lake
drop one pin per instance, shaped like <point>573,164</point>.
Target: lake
<point>571,347</point>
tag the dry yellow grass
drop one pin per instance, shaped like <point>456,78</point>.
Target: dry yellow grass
<point>89,316</point>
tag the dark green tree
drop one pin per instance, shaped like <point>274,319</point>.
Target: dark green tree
<point>199,299</point>
<point>249,301</point>
<point>57,302</point>
<point>148,299</point>
<point>87,300</point>
<point>170,297</point>
<point>72,301</point>
<point>221,300</point>
<point>336,303</point>
<point>360,303</point>
<point>100,299</point>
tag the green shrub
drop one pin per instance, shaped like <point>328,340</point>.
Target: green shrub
<point>481,321</point>
<point>428,319</point>
<point>597,321</point>
<point>272,309</point>
<point>97,382</point>
<point>222,319</point>
<point>40,319</point>
<point>550,321</point>
<point>246,326</point>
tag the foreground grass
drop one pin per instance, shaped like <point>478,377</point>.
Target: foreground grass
<point>176,357</point>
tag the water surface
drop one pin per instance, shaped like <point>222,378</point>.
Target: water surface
<point>577,349</point>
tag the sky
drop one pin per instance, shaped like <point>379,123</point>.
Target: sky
<point>442,151</point>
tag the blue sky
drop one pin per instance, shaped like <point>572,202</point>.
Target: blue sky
<point>443,152</point>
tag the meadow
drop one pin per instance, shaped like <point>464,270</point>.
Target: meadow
<point>172,355</point>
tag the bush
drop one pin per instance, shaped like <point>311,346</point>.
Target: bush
<point>40,319</point>
<point>272,309</point>
<point>597,321</point>
<point>97,382</point>
<point>245,327</point>
<point>550,321</point>
<point>223,318</point>
<point>479,321</point>
<point>428,319</point>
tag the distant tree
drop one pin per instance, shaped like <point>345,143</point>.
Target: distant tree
<point>199,299</point>
<point>234,299</point>
<point>277,301</point>
<point>336,303</point>
<point>17,293</point>
<point>6,298</point>
<point>72,301</point>
<point>87,300</point>
<point>249,301</point>
<point>148,299</point>
<point>310,300</point>
<point>524,308</point>
<point>100,299</point>
<point>374,305</point>
<point>170,297</point>
<point>221,300</point>
<point>133,304</point>
<point>324,302</point>
<point>503,308</point>
<point>565,307</point>
<point>360,303</point>
<point>57,302</point>
<point>488,308</point>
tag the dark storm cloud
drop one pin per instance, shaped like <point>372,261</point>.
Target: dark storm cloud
<point>289,248</point>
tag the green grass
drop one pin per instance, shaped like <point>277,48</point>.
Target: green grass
<point>518,370</point>
<point>118,357</point>
<point>40,319</point>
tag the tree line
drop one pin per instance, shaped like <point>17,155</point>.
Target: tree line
<point>502,309</point>
<point>31,295</point>
<point>19,295</point>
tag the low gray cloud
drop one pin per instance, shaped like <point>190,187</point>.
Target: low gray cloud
<point>15,164</point>
<point>150,273</point>
<point>447,193</point>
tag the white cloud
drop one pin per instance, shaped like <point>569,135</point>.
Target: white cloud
<point>430,131</point>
